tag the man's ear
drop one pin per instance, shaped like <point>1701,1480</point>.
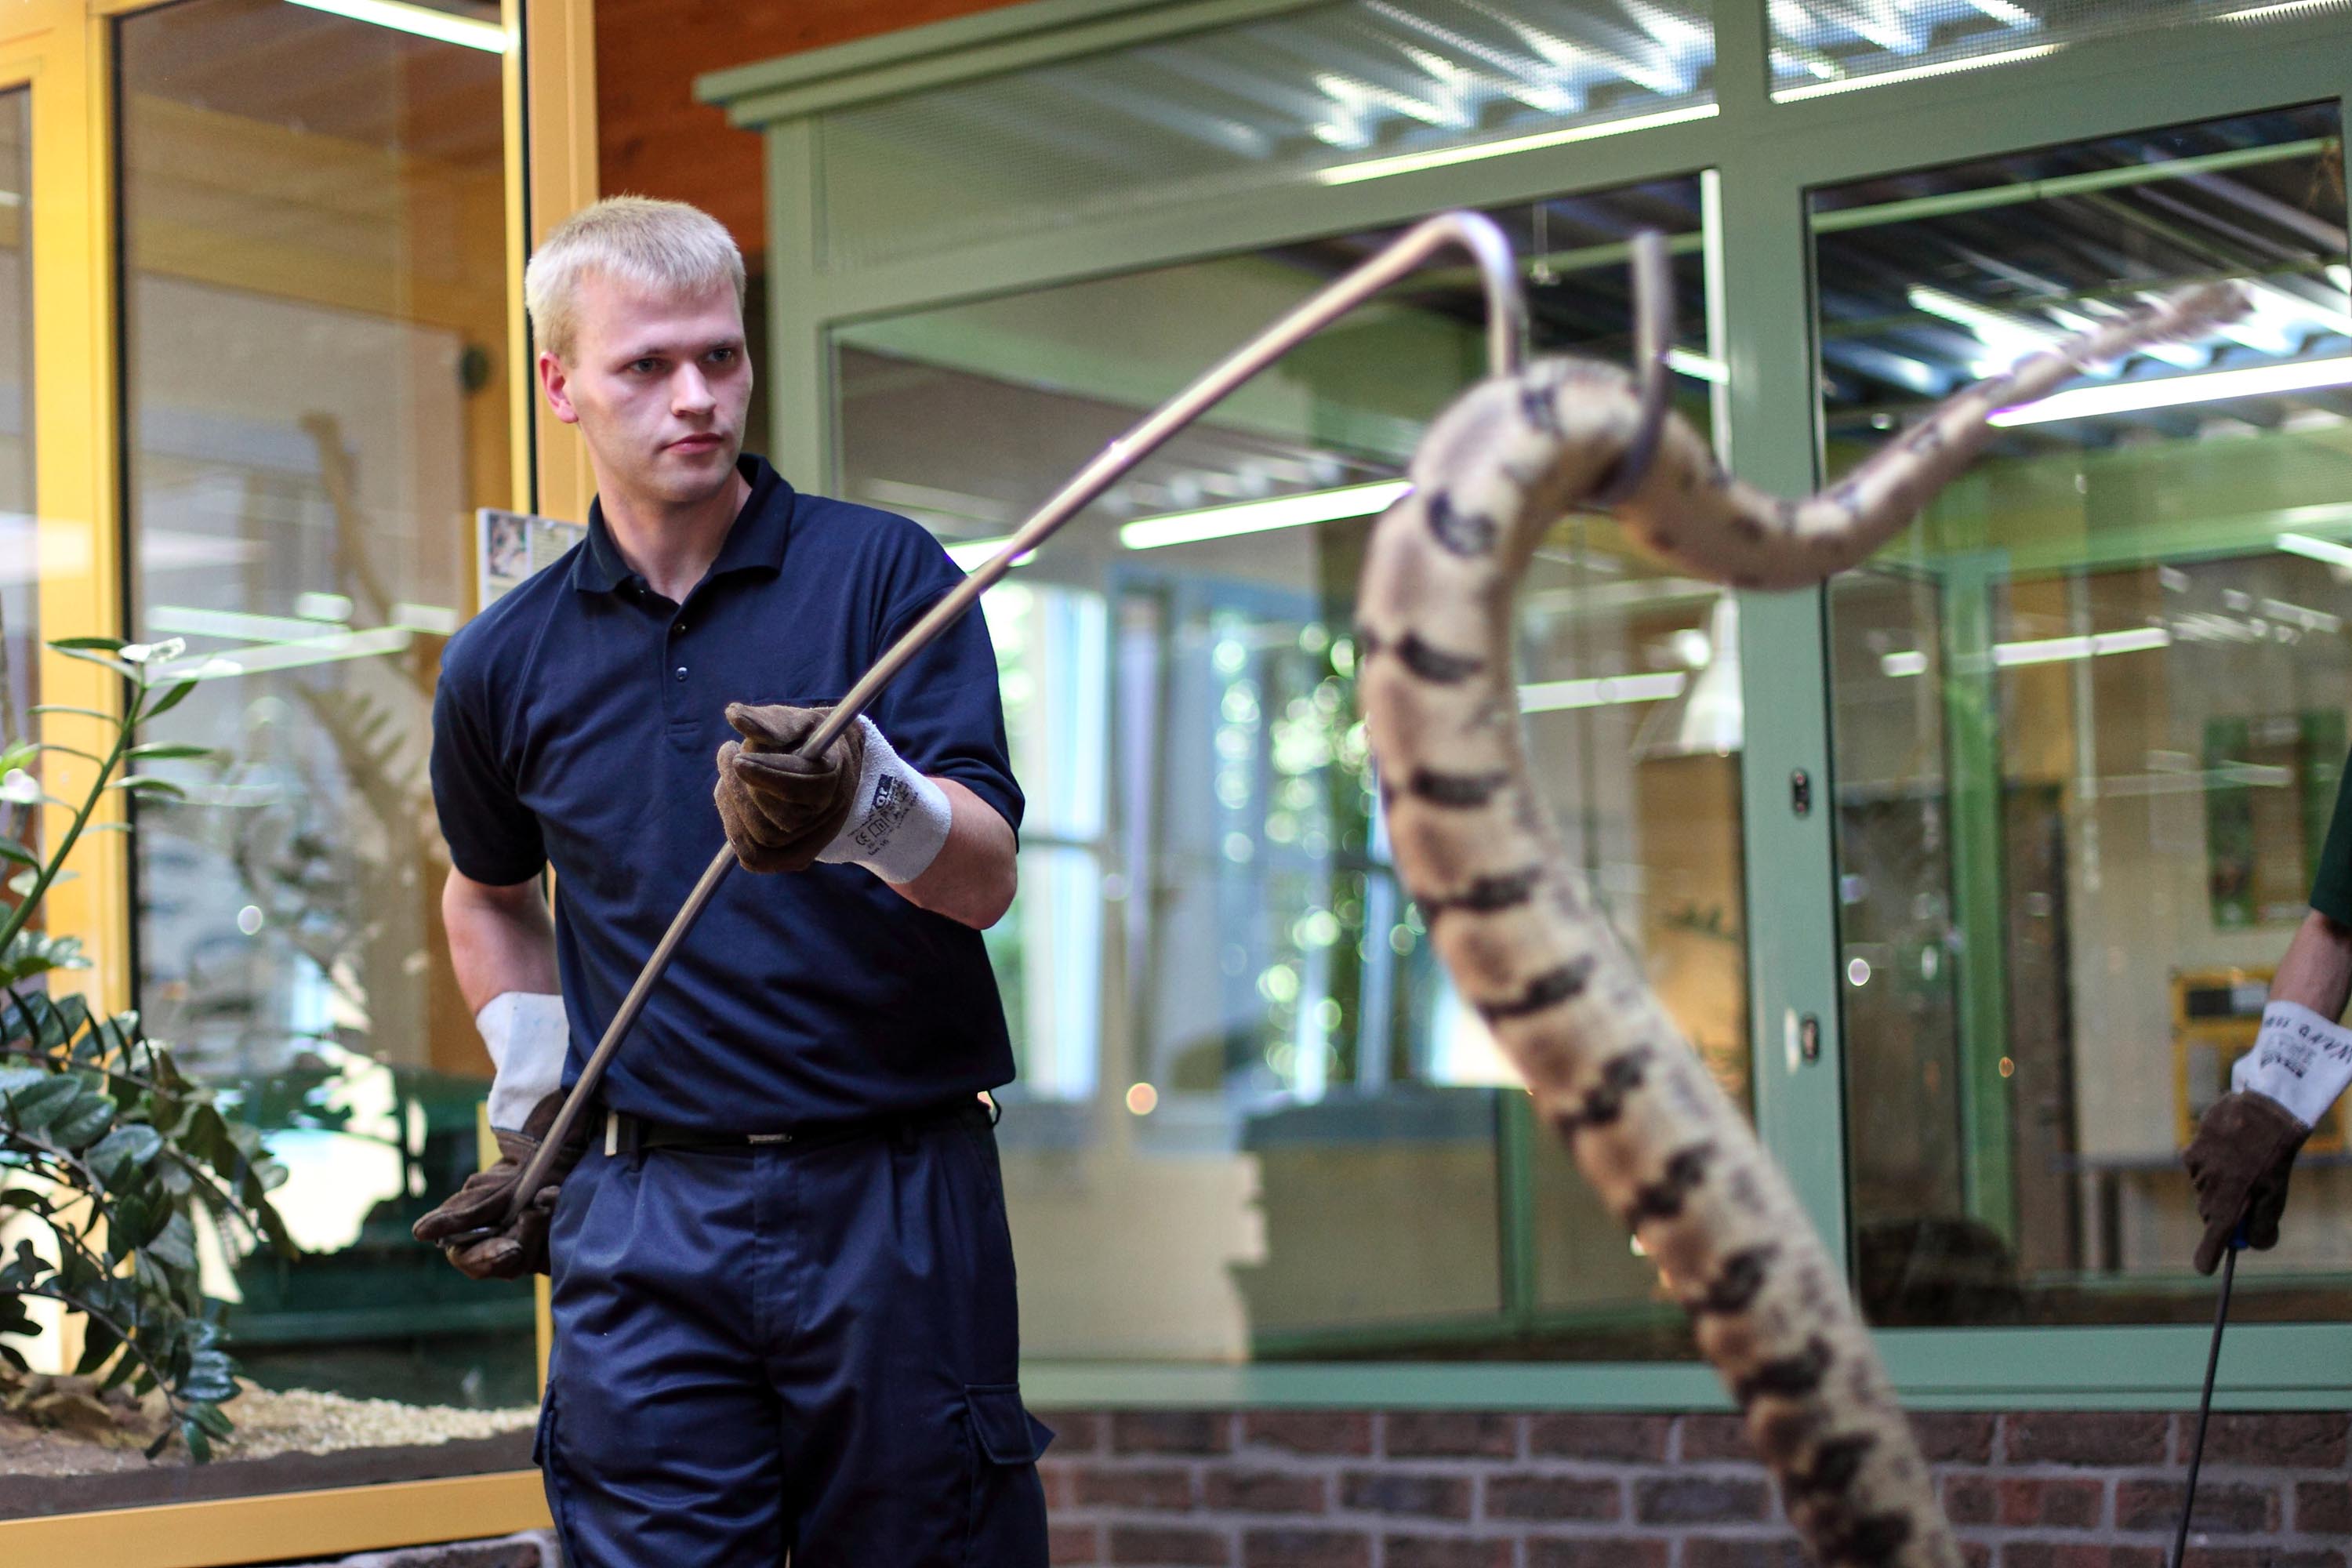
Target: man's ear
<point>555,382</point>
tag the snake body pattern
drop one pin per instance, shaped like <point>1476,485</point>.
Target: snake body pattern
<point>1532,953</point>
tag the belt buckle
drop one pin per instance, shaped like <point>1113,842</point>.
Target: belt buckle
<point>767,1138</point>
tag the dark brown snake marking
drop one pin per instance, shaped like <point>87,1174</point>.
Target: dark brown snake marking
<point>1608,1070</point>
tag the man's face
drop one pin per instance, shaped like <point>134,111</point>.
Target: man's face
<point>658,383</point>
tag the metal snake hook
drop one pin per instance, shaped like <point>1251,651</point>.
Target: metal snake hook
<point>1654,334</point>
<point>1507,329</point>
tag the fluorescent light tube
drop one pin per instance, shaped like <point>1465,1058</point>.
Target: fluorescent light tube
<point>1698,366</point>
<point>2326,550</point>
<point>231,624</point>
<point>1887,79</point>
<point>1444,157</point>
<point>422,20</point>
<point>971,554</point>
<point>287,655</point>
<point>2043,651</point>
<point>1260,516</point>
<point>2171,390</point>
<point>1551,696</point>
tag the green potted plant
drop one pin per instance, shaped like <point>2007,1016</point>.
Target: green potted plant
<point>102,1139</point>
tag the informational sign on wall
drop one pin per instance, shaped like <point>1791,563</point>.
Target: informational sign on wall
<point>510,546</point>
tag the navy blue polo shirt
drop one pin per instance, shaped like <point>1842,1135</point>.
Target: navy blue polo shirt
<point>576,726</point>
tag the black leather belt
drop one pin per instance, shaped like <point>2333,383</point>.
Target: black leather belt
<point>627,1134</point>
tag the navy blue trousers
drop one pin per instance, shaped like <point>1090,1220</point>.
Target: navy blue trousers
<point>769,1350</point>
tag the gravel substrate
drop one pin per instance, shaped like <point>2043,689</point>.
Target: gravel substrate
<point>284,1441</point>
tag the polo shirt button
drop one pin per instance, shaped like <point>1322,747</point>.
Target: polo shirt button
<point>681,672</point>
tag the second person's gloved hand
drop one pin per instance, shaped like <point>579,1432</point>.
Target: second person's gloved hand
<point>2246,1143</point>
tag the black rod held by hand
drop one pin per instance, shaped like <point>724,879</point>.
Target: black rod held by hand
<point>2205,1401</point>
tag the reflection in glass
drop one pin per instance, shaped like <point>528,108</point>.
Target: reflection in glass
<point>1253,1119</point>
<point>20,641</point>
<point>2089,715</point>
<point>1333,93</point>
<point>1822,47</point>
<point>315,302</point>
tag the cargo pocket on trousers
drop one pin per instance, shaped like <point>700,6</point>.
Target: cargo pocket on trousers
<point>1008,1501</point>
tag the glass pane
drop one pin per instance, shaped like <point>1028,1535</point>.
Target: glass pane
<point>1329,92</point>
<point>1822,47</point>
<point>1277,1134</point>
<point>2089,715</point>
<point>315,270</point>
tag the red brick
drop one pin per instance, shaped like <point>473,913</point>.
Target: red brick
<point>1167,1547</point>
<point>1444,1551</point>
<point>1170,1432</point>
<point>1055,1480</point>
<point>1267,1492</point>
<point>2052,1504</point>
<point>2071,1555</point>
<point>2273,1440</point>
<point>1614,1439</point>
<point>1699,1500</point>
<point>2087,1437</point>
<point>1306,1549</point>
<point>1074,1431</point>
<point>1309,1431</point>
<point>1449,1435</point>
<point>1552,1498</point>
<point>1074,1545</point>
<point>2322,1508</point>
<point>1954,1437</point>
<point>2228,1507</point>
<point>1406,1492</point>
<point>1584,1551</point>
<point>1734,1551</point>
<point>1112,1486</point>
<point>1975,1554</point>
<point>2262,1557</point>
<point>1716,1438</point>
<point>1971,1499</point>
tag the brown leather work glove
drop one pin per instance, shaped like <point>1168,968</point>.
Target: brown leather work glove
<point>781,809</point>
<point>516,1247</point>
<point>2238,1163</point>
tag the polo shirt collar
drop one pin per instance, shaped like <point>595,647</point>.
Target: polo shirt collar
<point>755,541</point>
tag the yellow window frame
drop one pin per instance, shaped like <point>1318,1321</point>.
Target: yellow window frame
<point>62,52</point>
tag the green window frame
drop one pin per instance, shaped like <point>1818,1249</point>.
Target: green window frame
<point>1765,156</point>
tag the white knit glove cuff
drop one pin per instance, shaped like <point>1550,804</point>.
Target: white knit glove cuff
<point>900,820</point>
<point>2299,1059</point>
<point>529,1036</point>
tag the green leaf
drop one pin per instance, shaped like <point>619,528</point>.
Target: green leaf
<point>68,708</point>
<point>12,851</point>
<point>175,1244</point>
<point>212,1418</point>
<point>59,746</point>
<point>126,1149</point>
<point>128,672</point>
<point>163,751</point>
<point>10,1354</point>
<point>169,701</point>
<point>105,644</point>
<point>83,1122</point>
<point>22,883</point>
<point>34,1108</point>
<point>143,782</point>
<point>98,1343</point>
<point>200,1448</point>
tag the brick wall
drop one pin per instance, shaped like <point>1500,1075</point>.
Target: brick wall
<point>1352,1489</point>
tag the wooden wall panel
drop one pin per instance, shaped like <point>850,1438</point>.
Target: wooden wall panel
<point>655,140</point>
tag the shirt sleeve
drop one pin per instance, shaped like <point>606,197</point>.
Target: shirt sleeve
<point>2331,889</point>
<point>943,713</point>
<point>493,838</point>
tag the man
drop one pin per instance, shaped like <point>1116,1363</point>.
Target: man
<point>2246,1142</point>
<point>782,1283</point>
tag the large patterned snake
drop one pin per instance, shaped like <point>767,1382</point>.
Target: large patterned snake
<point>1649,1128</point>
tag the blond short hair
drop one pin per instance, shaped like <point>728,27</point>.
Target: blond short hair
<point>635,240</point>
